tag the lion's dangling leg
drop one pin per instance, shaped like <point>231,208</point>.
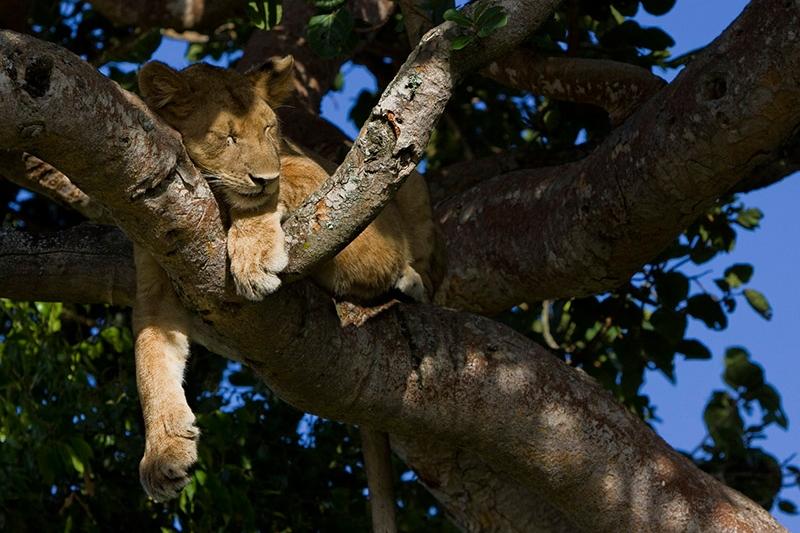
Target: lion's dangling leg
<point>160,326</point>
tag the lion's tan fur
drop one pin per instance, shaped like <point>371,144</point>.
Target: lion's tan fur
<point>231,132</point>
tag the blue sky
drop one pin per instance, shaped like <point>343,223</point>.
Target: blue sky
<point>773,250</point>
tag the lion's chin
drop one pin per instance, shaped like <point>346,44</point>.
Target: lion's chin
<point>249,201</point>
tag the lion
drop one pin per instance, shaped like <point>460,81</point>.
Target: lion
<point>232,134</point>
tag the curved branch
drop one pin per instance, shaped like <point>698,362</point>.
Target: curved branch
<point>587,227</point>
<point>128,161</point>
<point>617,87</point>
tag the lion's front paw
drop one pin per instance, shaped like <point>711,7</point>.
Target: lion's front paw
<point>164,469</point>
<point>255,276</point>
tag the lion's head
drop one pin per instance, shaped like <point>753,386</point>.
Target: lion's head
<point>227,121</point>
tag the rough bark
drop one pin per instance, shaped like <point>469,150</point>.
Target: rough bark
<point>512,405</point>
<point>565,438</point>
<point>129,161</point>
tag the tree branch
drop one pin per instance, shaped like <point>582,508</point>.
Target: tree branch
<point>177,14</point>
<point>394,137</point>
<point>35,175</point>
<point>587,227</point>
<point>617,87</point>
<point>512,404</point>
<point>128,161</point>
<point>86,264</point>
<point>411,367</point>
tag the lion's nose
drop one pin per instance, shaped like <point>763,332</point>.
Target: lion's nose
<point>263,181</point>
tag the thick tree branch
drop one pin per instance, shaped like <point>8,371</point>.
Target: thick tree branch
<point>586,227</point>
<point>86,264</point>
<point>124,161</point>
<point>35,175</point>
<point>477,496</point>
<point>564,439</point>
<point>394,137</point>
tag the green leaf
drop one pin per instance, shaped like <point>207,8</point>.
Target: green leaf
<point>338,82</point>
<point>265,14</point>
<point>707,309</point>
<point>669,324</point>
<point>328,5</point>
<point>758,302</point>
<point>770,402</point>
<point>454,15</point>
<point>672,288</point>
<point>331,35</point>
<point>724,422</point>
<point>738,274</point>
<point>740,372</point>
<point>693,349</point>
<point>749,218</point>
<point>655,39</point>
<point>618,17</point>
<point>490,20</point>
<point>658,7</point>
<point>462,41</point>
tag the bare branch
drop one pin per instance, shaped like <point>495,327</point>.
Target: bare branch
<point>378,465</point>
<point>35,175</point>
<point>394,137</point>
<point>617,87</point>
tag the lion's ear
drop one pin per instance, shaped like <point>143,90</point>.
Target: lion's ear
<point>274,81</point>
<point>164,89</point>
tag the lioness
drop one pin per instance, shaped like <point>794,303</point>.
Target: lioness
<point>231,132</point>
